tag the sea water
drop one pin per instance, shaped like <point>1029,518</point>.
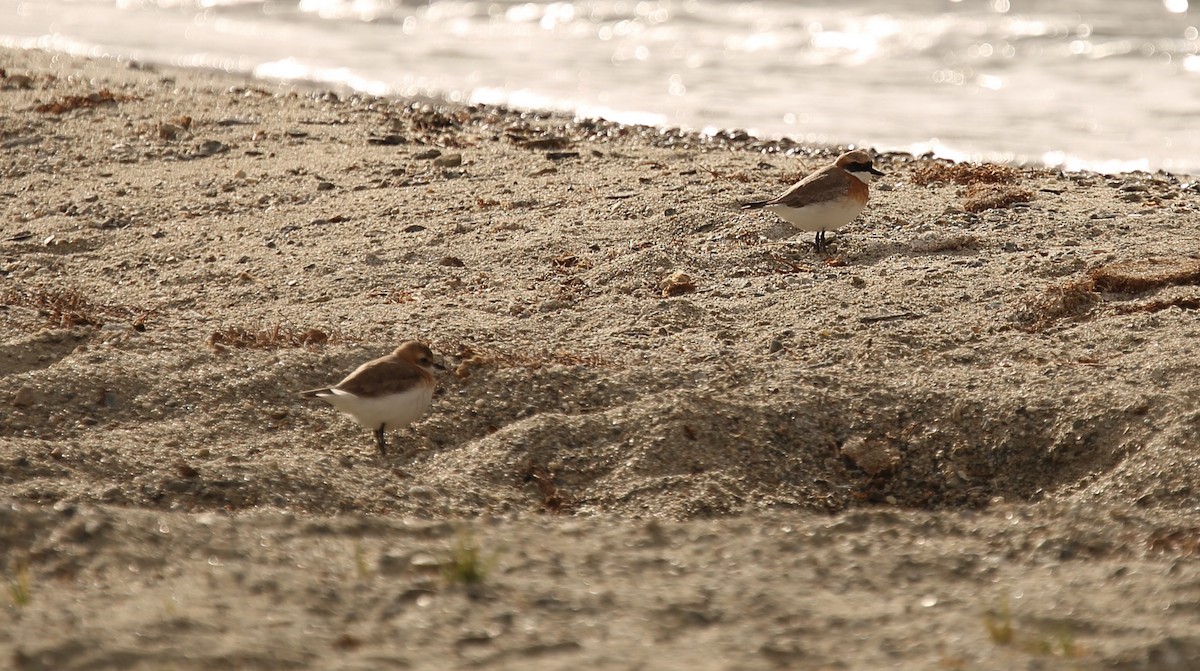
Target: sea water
<point>1102,84</point>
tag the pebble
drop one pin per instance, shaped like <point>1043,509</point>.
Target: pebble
<point>393,562</point>
<point>424,561</point>
<point>872,456</point>
<point>209,148</point>
<point>20,142</point>
<point>678,284</point>
<point>387,140</point>
<point>24,397</point>
<point>169,132</point>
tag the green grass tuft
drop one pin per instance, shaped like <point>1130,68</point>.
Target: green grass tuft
<point>999,624</point>
<point>465,564</point>
<point>1035,640</point>
<point>19,593</point>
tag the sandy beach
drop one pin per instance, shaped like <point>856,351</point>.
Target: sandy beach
<point>669,435</point>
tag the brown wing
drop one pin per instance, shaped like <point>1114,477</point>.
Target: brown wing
<point>386,375</point>
<point>826,184</point>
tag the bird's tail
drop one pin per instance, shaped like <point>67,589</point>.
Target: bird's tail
<point>316,393</point>
<point>756,205</point>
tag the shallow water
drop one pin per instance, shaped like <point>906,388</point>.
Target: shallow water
<point>1078,83</point>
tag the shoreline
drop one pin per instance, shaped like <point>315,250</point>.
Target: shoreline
<point>672,437</point>
<point>734,138</point>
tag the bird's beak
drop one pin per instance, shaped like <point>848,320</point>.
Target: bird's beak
<point>875,172</point>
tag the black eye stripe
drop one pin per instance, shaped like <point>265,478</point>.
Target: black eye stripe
<point>860,167</point>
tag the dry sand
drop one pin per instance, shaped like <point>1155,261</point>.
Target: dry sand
<point>676,439</point>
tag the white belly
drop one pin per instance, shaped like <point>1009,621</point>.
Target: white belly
<point>819,217</point>
<point>393,411</point>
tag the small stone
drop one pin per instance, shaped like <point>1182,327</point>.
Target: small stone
<point>24,397</point>
<point>393,562</point>
<point>872,456</point>
<point>387,140</point>
<point>448,161</point>
<point>452,262</point>
<point>210,148</point>
<point>19,82</point>
<point>427,155</point>
<point>325,186</point>
<point>169,132</point>
<point>678,284</point>
<point>424,561</point>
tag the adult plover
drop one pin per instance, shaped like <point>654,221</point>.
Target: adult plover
<point>827,199</point>
<point>390,392</point>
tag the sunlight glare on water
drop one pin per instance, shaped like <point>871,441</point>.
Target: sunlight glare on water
<point>1070,82</point>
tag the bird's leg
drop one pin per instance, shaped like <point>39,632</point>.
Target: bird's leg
<point>819,242</point>
<point>381,438</point>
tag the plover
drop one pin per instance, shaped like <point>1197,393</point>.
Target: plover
<point>390,392</point>
<point>827,199</point>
